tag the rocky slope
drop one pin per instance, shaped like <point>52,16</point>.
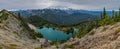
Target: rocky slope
<point>105,37</point>
<point>13,34</point>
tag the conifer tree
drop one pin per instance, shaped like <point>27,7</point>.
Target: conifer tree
<point>19,15</point>
<point>97,22</point>
<point>113,14</point>
<point>104,14</point>
<point>89,21</point>
<point>101,15</point>
<point>119,12</point>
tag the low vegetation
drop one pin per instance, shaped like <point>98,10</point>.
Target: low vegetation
<point>104,29</point>
<point>14,45</point>
<point>0,47</point>
<point>117,31</point>
<point>38,48</point>
<point>3,16</point>
<point>68,46</point>
<point>17,34</point>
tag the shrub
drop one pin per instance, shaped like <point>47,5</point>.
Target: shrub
<point>56,44</point>
<point>4,16</point>
<point>68,46</point>
<point>0,21</point>
<point>52,43</point>
<point>92,33</point>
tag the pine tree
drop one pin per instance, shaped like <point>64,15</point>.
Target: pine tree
<point>104,14</point>
<point>101,15</point>
<point>113,14</point>
<point>119,12</point>
<point>97,22</point>
<point>89,21</point>
<point>19,15</point>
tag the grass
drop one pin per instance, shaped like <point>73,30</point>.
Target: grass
<point>70,46</point>
<point>0,47</point>
<point>10,48</point>
<point>17,34</point>
<point>92,33</point>
<point>38,48</point>
<point>117,31</point>
<point>104,29</point>
<point>13,45</point>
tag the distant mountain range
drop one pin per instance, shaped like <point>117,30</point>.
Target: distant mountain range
<point>63,16</point>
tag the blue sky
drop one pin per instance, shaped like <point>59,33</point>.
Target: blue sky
<point>74,4</point>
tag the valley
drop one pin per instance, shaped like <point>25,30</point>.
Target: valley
<point>59,24</point>
<point>38,32</point>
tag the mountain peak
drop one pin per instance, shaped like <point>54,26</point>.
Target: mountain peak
<point>58,7</point>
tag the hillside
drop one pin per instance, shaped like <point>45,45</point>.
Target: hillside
<point>58,16</point>
<point>105,37</point>
<point>14,34</point>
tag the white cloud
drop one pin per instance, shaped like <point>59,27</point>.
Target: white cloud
<point>75,4</point>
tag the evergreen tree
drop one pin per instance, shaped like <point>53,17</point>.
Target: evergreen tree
<point>119,12</point>
<point>104,13</point>
<point>97,22</point>
<point>19,16</point>
<point>113,14</point>
<point>101,15</point>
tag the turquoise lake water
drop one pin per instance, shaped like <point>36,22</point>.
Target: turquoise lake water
<point>52,34</point>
